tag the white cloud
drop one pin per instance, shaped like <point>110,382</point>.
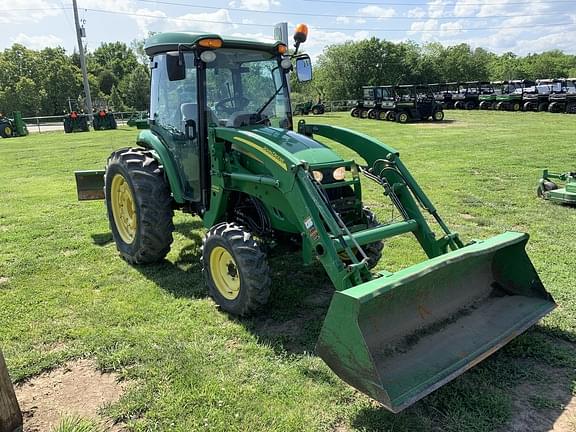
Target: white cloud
<point>376,12</point>
<point>213,22</point>
<point>437,8</point>
<point>258,4</point>
<point>146,18</point>
<point>416,13</point>
<point>343,20</point>
<point>35,11</point>
<point>38,42</point>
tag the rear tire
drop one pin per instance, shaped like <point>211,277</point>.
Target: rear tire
<point>372,114</point>
<point>390,116</point>
<point>543,106</point>
<point>527,106</point>
<point>382,115</point>
<point>470,105</point>
<point>315,111</point>
<point>139,206</point>
<point>571,108</point>
<point>355,112</point>
<point>516,106</point>
<point>235,269</point>
<point>459,105</point>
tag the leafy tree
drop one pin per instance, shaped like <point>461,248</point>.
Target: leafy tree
<point>136,88</point>
<point>107,80</point>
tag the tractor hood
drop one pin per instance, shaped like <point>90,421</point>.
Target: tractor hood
<point>300,146</point>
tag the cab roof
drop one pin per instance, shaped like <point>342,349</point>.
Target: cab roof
<point>163,42</point>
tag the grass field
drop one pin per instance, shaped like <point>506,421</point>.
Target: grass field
<point>65,293</point>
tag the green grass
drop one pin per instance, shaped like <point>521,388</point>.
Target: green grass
<point>65,293</point>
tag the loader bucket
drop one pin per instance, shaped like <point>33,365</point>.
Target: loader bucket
<point>399,337</point>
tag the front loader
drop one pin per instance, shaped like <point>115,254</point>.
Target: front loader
<point>221,146</point>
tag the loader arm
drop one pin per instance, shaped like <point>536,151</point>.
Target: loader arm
<point>384,164</point>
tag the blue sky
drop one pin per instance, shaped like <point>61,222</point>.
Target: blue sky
<point>520,26</point>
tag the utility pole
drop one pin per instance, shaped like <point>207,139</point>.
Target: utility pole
<point>82,61</point>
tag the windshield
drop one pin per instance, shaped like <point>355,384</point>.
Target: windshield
<point>246,87</point>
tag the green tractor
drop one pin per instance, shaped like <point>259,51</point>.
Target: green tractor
<point>549,190</point>
<point>76,122</point>
<point>221,146</point>
<point>103,119</point>
<point>139,120</point>
<point>306,108</point>
<point>12,127</point>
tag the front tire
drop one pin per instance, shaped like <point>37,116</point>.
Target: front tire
<point>402,117</point>
<point>235,269</point>
<point>438,116</point>
<point>6,131</point>
<point>139,206</point>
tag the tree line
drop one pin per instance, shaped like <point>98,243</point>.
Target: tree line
<point>42,82</point>
<point>342,69</point>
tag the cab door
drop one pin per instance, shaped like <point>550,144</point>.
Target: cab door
<point>174,116</point>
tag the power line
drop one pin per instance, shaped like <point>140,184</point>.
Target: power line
<point>324,28</point>
<point>420,4</point>
<point>278,12</point>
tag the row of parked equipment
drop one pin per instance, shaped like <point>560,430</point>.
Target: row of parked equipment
<point>78,121</point>
<point>552,95</point>
<point>422,101</point>
<point>402,103</point>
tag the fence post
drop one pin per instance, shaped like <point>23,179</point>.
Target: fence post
<point>10,415</point>
<point>38,124</point>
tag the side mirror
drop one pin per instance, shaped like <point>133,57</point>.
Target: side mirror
<point>190,129</point>
<point>175,66</point>
<point>303,68</point>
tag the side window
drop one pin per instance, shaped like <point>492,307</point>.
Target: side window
<point>173,102</point>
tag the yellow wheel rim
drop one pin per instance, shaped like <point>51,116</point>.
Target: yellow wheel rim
<point>224,273</point>
<point>8,130</point>
<point>123,208</point>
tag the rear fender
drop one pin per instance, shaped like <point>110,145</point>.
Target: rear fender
<point>147,139</point>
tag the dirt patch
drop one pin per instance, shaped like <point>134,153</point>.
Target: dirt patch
<point>545,406</point>
<point>76,389</point>
<point>3,280</point>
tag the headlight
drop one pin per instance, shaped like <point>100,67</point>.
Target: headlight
<point>339,173</point>
<point>318,176</point>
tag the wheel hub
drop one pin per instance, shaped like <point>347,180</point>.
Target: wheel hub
<point>224,272</point>
<point>123,208</point>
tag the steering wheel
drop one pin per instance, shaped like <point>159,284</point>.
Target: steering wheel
<point>231,104</point>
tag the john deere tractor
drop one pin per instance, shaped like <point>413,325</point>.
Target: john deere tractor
<point>308,107</point>
<point>76,122</point>
<point>222,146</point>
<point>12,127</point>
<point>104,120</point>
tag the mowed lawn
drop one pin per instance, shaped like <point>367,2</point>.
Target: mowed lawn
<point>65,293</point>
